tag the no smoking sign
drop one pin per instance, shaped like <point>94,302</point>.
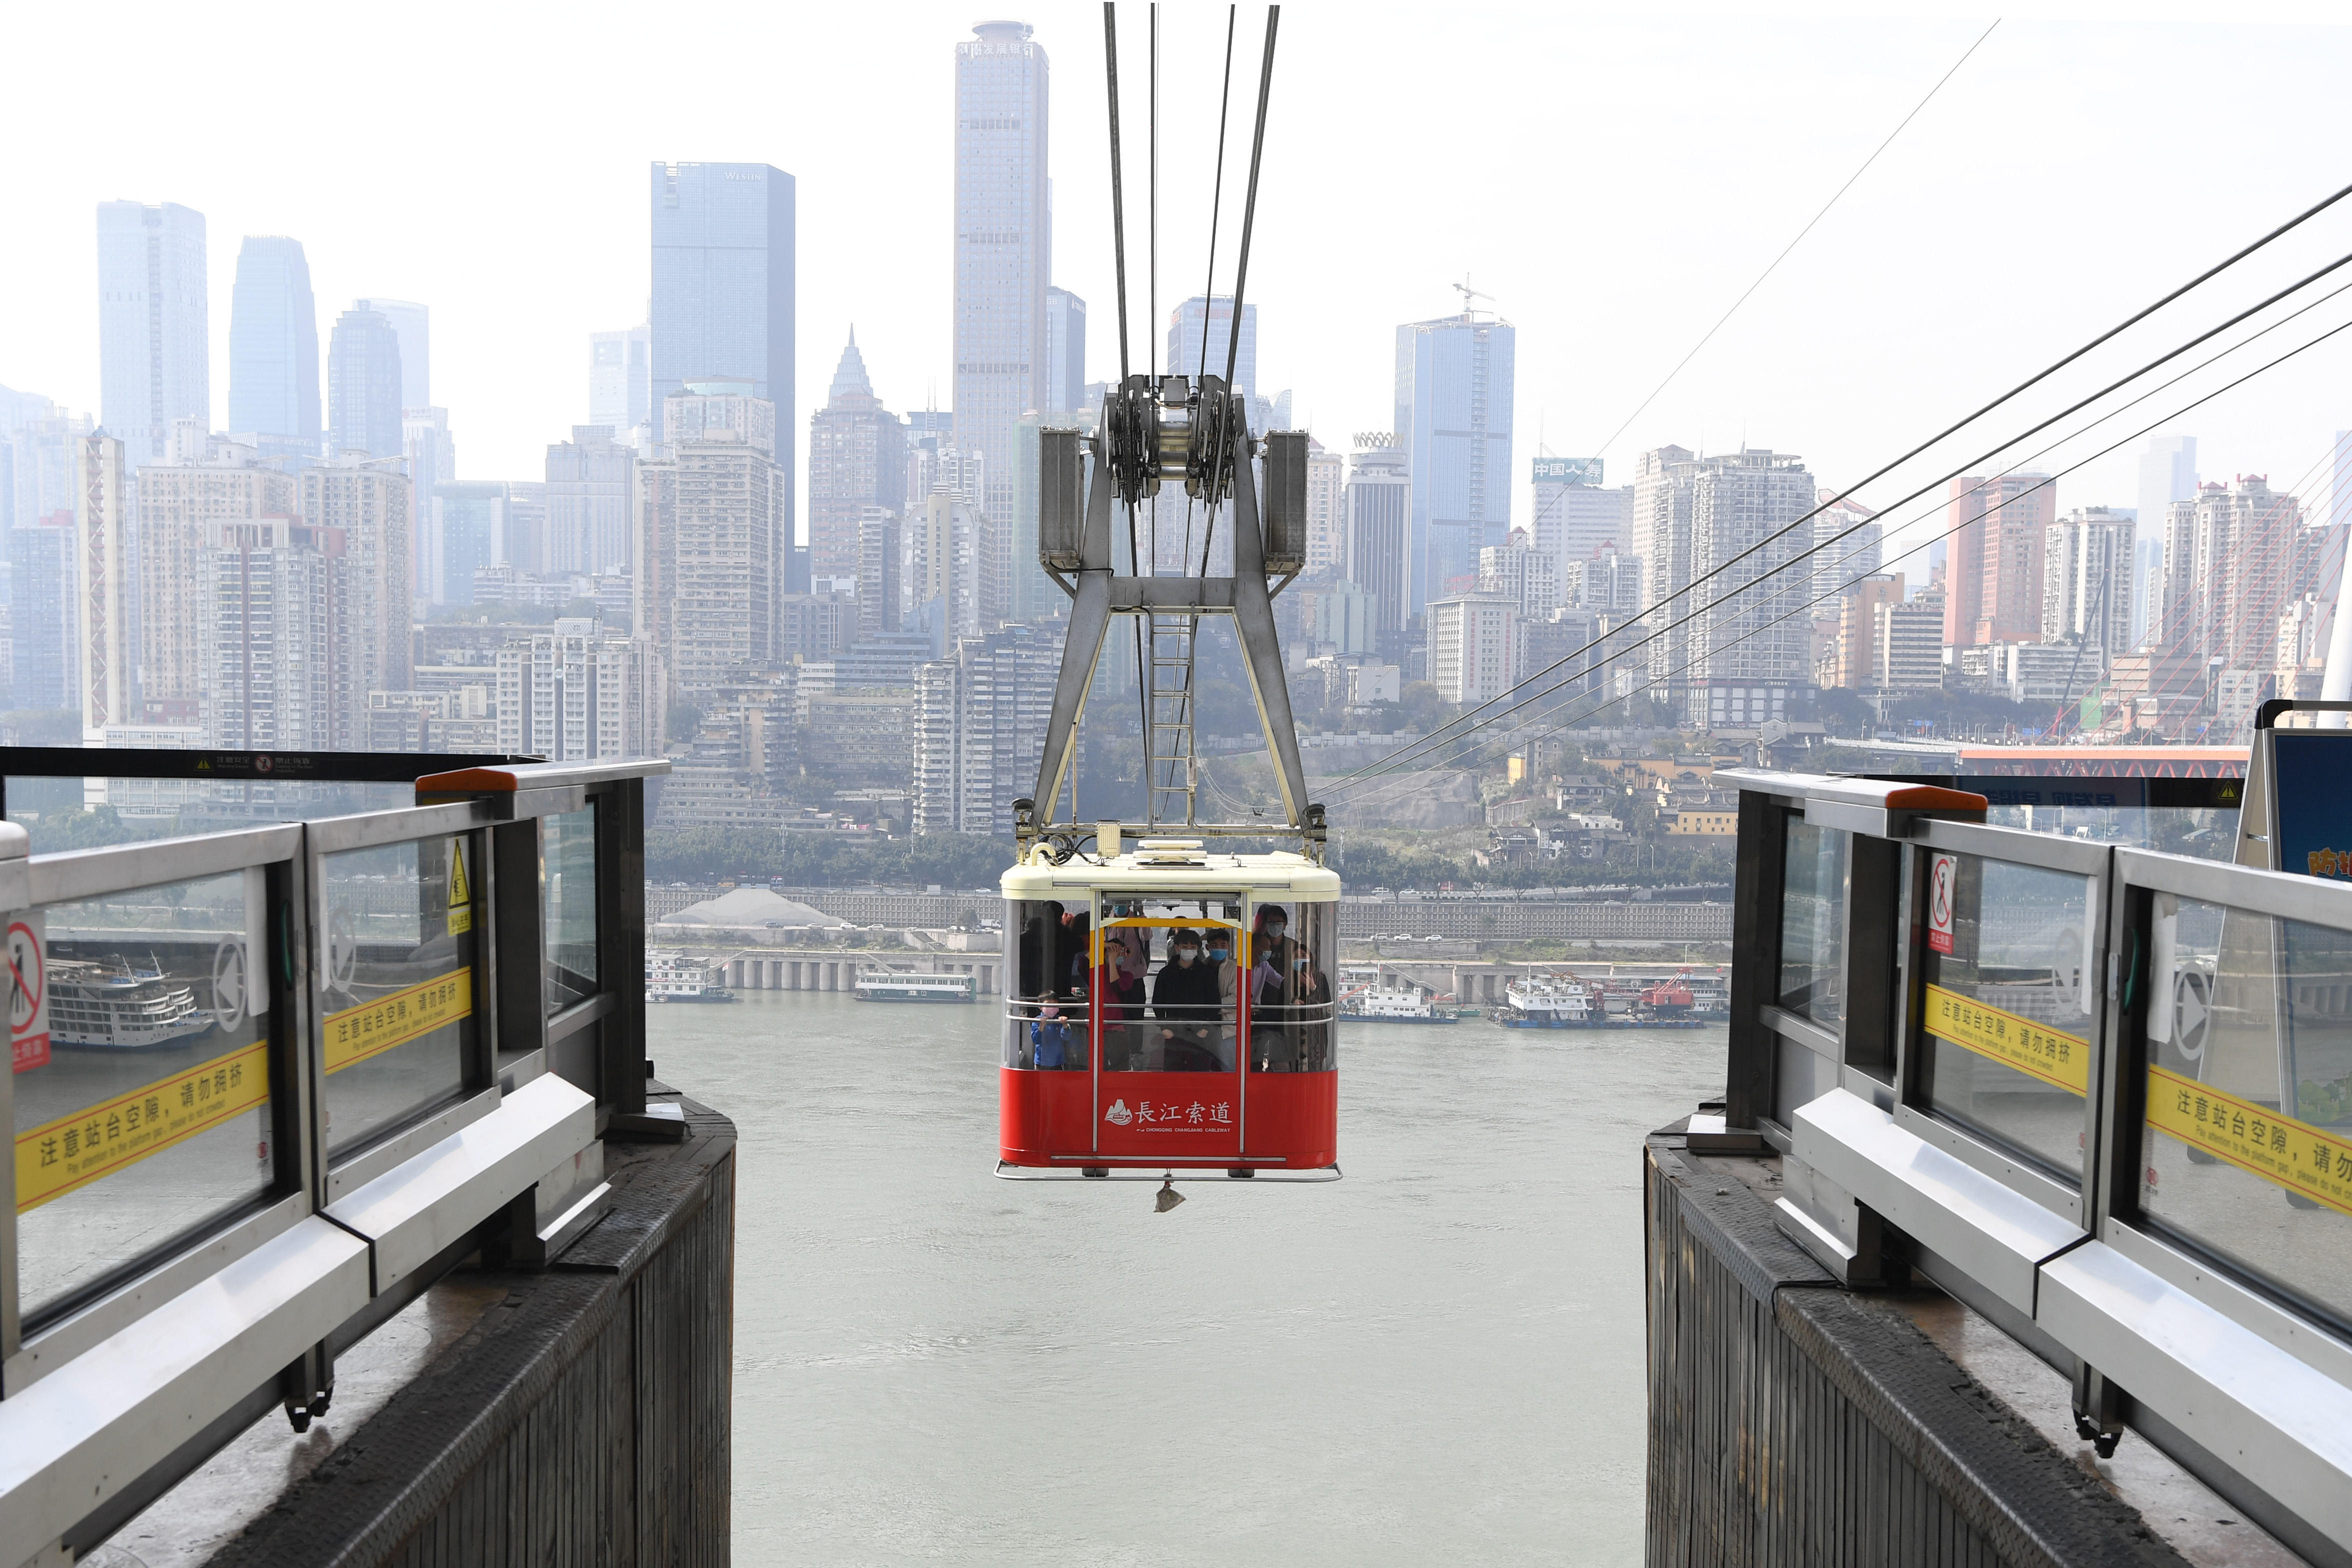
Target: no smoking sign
<point>1943,874</point>
<point>28,992</point>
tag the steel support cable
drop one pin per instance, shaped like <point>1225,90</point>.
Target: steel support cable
<point>1217,474</point>
<point>1801,233</point>
<point>1403,786</point>
<point>1608,657</point>
<point>1117,202</point>
<point>1380,764</point>
<point>1217,196</point>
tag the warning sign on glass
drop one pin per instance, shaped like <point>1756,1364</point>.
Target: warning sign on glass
<point>28,992</point>
<point>1943,873</point>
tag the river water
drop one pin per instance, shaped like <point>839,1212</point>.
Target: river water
<point>1439,1358</point>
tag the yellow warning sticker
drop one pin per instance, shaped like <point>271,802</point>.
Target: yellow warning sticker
<point>73,1151</point>
<point>461,893</point>
<point>2052,1055</point>
<point>373,1028</point>
<point>2281,1150</point>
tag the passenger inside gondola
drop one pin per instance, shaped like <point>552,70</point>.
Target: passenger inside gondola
<point>1185,1004</point>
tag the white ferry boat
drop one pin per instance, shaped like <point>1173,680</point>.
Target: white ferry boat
<point>888,985</point>
<point>673,977</point>
<point>1391,1004</point>
<point>119,1008</point>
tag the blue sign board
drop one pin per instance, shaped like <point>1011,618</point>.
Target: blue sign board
<point>2311,829</point>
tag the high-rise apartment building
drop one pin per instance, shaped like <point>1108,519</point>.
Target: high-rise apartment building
<point>1572,516</point>
<point>467,532</point>
<point>275,594</point>
<point>1066,350</point>
<point>2234,556</point>
<point>711,536</point>
<point>2087,579</point>
<point>273,348</point>
<point>574,694</point>
<point>1661,526</point>
<point>621,379</point>
<point>723,300</point>
<point>1849,546</point>
<point>725,410</point>
<point>1910,644</point>
<point>432,455</point>
<point>181,508</point>
<point>38,442</point>
<point>592,480</point>
<point>1473,646</point>
<point>2168,473</point>
<point>154,351</point>
<point>1993,572</point>
<point>364,385</point>
<point>1200,339</point>
<point>411,325</point>
<point>858,460</point>
<point>1379,558</point>
<point>979,724</point>
<point>1453,381</point>
<point>107,647</point>
<point>1746,647</point>
<point>1856,657</point>
<point>369,501</point>
<point>1003,247</point>
<point>1327,509</point>
<point>1520,573</point>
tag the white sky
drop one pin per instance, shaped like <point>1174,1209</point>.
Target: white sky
<point>1614,179</point>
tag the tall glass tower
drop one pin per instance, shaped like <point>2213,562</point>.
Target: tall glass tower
<point>1003,248</point>
<point>273,347</point>
<point>1453,418</point>
<point>154,362</point>
<point>364,385</point>
<point>723,287</point>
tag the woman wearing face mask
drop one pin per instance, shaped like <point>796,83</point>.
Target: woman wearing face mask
<point>1184,1004</point>
<point>1220,943</point>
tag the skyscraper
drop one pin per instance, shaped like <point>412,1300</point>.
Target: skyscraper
<point>364,385</point>
<point>1378,556</point>
<point>154,351</point>
<point>1574,516</point>
<point>621,380</point>
<point>711,524</point>
<point>411,324</point>
<point>180,508</point>
<point>1066,350</point>
<point>1003,247</point>
<point>858,460</point>
<point>273,348</point>
<point>2168,473</point>
<point>723,262</point>
<point>1747,652</point>
<point>1211,318</point>
<point>2087,592</point>
<point>1453,380</point>
<point>368,499</point>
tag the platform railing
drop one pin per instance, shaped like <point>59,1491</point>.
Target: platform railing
<point>270,1084</point>
<point>2100,1094</point>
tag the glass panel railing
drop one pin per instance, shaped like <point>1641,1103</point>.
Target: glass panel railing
<point>1812,923</point>
<point>142,1109</point>
<point>568,905</point>
<point>2248,1145</point>
<point>2009,1009</point>
<point>403,1006</point>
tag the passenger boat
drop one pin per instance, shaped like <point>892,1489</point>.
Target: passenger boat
<point>119,1008</point>
<point>673,977</point>
<point>1543,1001</point>
<point>887,986</point>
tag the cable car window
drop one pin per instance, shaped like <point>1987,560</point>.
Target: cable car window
<point>1293,948</point>
<point>1046,1022</point>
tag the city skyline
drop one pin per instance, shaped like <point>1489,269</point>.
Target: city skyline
<point>502,359</point>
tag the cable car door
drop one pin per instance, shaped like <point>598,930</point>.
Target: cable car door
<point>1167,1078</point>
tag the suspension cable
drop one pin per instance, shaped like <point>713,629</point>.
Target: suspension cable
<point>1217,198</point>
<point>1118,204</point>
<point>1218,473</point>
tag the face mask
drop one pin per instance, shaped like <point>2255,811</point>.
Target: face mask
<point>1186,954</point>
<point>1274,932</point>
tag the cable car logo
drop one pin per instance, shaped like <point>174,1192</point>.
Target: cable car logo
<point>1118,1115</point>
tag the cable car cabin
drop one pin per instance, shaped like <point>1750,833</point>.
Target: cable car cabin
<point>1169,1011</point>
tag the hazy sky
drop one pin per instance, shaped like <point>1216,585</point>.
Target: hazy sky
<point>1613,179</point>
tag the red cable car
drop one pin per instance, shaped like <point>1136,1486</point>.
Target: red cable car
<point>1169,1011</point>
